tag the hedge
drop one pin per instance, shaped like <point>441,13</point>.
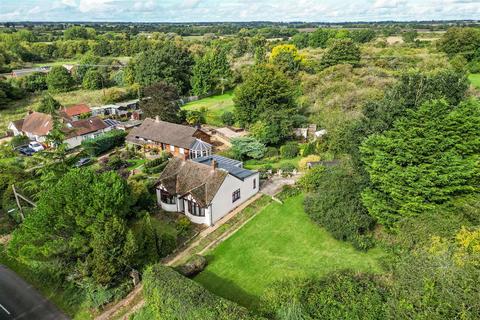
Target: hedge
<point>104,142</point>
<point>172,296</point>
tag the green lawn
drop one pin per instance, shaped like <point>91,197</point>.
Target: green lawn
<point>275,163</point>
<point>475,80</point>
<point>216,106</point>
<point>135,163</point>
<point>280,242</point>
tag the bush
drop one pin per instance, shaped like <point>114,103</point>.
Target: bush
<point>167,243</point>
<point>271,152</point>
<point>287,167</point>
<point>289,150</point>
<point>247,147</point>
<point>59,80</point>
<point>36,81</point>
<point>19,140</point>
<point>172,296</point>
<point>105,142</point>
<point>113,95</point>
<point>336,204</point>
<point>302,164</point>
<point>93,80</point>
<point>193,266</point>
<point>228,118</point>
<point>183,225</point>
<point>309,149</point>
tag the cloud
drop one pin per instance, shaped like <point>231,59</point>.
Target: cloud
<point>237,10</point>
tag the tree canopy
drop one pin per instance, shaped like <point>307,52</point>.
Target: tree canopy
<point>162,102</point>
<point>428,157</point>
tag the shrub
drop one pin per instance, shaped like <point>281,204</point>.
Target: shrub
<point>228,118</point>
<point>247,147</point>
<point>167,243</point>
<point>172,296</point>
<point>339,295</point>
<point>183,225</point>
<point>289,150</point>
<point>287,167</point>
<point>114,95</point>
<point>302,164</point>
<point>105,142</point>
<point>36,81</point>
<point>271,152</point>
<point>193,266</point>
<point>59,80</point>
<point>93,80</point>
<point>19,140</point>
<point>309,149</point>
<point>336,204</point>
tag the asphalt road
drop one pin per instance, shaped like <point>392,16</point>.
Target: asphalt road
<point>19,300</point>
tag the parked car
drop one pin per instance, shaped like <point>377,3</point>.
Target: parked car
<point>35,146</point>
<point>82,162</point>
<point>26,151</point>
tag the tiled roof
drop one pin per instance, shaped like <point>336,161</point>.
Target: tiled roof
<point>76,110</point>
<point>37,123</point>
<point>182,177</point>
<point>164,132</point>
<point>85,126</point>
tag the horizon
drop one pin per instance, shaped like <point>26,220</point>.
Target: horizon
<point>211,11</point>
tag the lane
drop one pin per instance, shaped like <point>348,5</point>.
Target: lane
<point>19,300</point>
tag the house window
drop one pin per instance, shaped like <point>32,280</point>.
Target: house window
<point>195,210</point>
<point>172,148</point>
<point>167,197</point>
<point>235,195</point>
<point>182,151</point>
<point>254,183</point>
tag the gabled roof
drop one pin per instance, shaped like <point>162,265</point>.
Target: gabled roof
<point>86,126</point>
<point>183,177</point>
<point>164,132</point>
<point>76,110</point>
<point>37,123</point>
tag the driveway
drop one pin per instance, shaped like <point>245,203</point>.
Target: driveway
<point>275,184</point>
<point>19,300</point>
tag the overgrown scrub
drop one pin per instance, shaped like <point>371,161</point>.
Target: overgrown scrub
<point>339,295</point>
<point>169,295</point>
<point>334,203</point>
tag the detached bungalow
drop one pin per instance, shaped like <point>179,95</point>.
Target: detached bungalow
<point>182,141</point>
<point>205,189</point>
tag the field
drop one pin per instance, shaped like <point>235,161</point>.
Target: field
<point>280,242</point>
<point>216,106</point>
<point>475,80</point>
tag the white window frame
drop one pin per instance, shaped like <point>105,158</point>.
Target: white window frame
<point>172,148</point>
<point>182,151</point>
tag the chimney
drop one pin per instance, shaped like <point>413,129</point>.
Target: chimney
<point>214,164</point>
<point>157,119</point>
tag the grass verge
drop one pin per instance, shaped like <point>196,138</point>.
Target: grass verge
<point>475,80</point>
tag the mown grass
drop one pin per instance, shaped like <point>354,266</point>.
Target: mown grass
<point>280,242</point>
<point>215,105</point>
<point>475,80</point>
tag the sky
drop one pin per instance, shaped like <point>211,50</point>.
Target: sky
<point>237,10</point>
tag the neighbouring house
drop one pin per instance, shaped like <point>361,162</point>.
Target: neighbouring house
<point>306,133</point>
<point>77,131</point>
<point>36,126</point>
<point>74,112</point>
<point>182,141</point>
<point>226,134</point>
<point>205,189</point>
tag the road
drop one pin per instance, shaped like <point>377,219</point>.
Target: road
<point>19,300</point>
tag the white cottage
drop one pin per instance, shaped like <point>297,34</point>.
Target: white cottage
<point>205,189</point>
